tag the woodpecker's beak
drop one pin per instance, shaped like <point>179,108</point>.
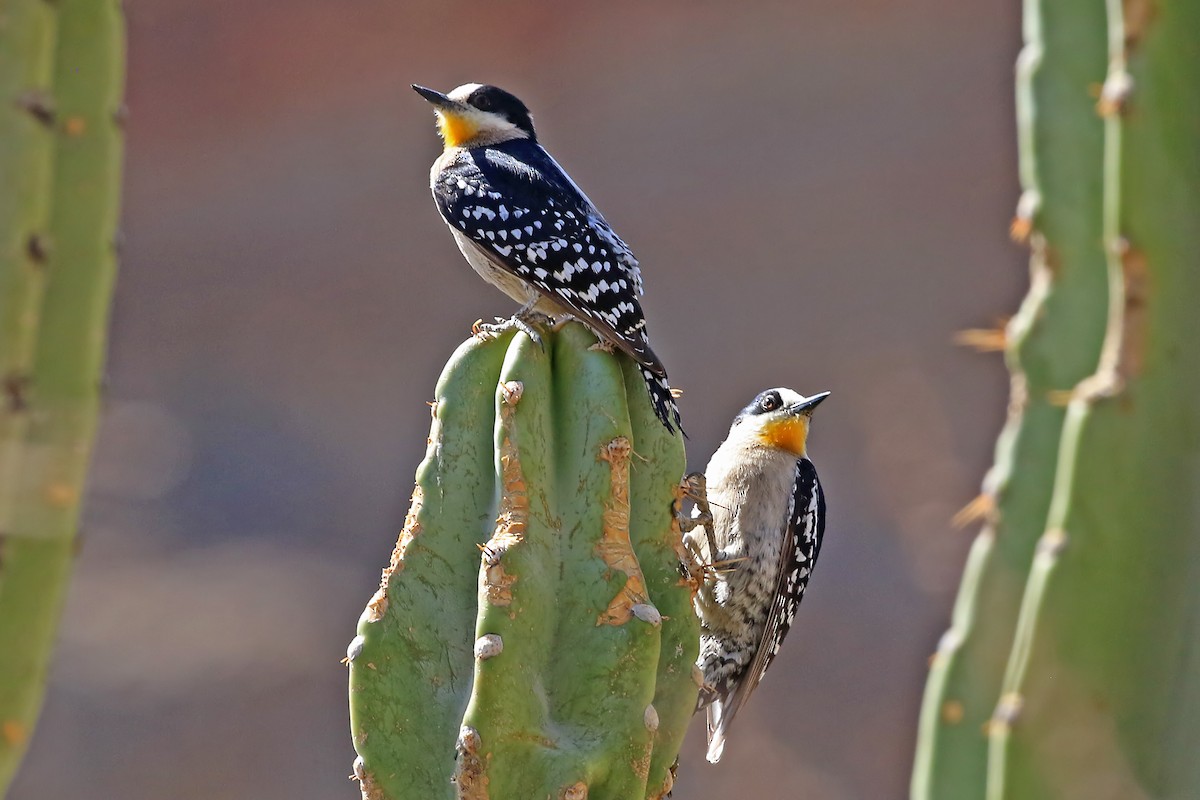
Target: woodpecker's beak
<point>807,405</point>
<point>437,99</point>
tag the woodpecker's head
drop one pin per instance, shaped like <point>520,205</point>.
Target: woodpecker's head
<point>475,115</point>
<point>778,419</point>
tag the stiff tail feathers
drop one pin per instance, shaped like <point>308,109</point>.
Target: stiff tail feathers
<point>718,723</point>
<point>663,401</point>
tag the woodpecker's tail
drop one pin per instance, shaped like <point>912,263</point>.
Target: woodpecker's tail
<point>663,401</point>
<point>718,723</point>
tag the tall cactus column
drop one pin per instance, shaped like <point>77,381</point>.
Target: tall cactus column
<point>533,636</point>
<point>1100,694</point>
<point>61,75</point>
<point>1105,668</point>
<point>1053,342</point>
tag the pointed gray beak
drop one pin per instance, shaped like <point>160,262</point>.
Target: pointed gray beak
<point>807,405</point>
<point>436,98</point>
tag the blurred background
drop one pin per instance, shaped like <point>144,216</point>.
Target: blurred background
<point>818,193</point>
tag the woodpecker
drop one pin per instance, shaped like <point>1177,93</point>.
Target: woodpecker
<point>523,224</point>
<point>764,519</point>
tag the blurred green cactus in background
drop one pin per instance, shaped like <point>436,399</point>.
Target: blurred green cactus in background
<point>61,76</point>
<point>1071,669</point>
<point>532,635</point>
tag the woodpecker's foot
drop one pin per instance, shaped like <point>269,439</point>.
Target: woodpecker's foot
<point>695,488</point>
<point>691,563</point>
<point>724,566</point>
<point>710,565</point>
<point>698,569</point>
<point>523,323</point>
<point>603,346</point>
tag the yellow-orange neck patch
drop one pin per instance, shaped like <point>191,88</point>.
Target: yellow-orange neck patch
<point>456,129</point>
<point>786,433</point>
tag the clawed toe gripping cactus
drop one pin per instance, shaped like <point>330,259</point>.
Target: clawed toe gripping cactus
<point>532,636</point>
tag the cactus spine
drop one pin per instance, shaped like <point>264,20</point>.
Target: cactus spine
<point>532,636</point>
<point>1082,586</point>
<point>61,74</point>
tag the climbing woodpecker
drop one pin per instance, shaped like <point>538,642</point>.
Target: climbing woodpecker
<point>763,522</point>
<point>525,226</point>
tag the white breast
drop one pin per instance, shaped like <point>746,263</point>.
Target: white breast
<point>750,489</point>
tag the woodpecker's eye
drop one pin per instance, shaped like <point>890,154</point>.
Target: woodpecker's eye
<point>770,401</point>
<point>483,102</point>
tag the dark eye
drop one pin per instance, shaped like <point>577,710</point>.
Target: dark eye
<point>483,101</point>
<point>770,401</point>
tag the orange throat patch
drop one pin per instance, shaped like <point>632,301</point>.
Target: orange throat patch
<point>456,130</point>
<point>789,433</point>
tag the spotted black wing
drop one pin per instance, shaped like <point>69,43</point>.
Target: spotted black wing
<point>527,216</point>
<point>797,556</point>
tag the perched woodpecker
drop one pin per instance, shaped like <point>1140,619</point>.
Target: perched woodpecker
<point>766,510</point>
<point>524,225</point>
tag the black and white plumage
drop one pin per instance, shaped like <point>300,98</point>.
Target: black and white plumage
<point>768,519</point>
<point>527,228</point>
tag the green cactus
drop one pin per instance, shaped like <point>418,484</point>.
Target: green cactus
<point>532,636</point>
<point>61,74</point>
<point>1052,343</point>
<point>1096,527</point>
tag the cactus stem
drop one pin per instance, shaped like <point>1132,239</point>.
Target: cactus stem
<point>528,671</point>
<point>57,205</point>
<point>1053,341</point>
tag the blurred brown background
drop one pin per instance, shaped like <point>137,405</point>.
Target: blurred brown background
<point>818,194</point>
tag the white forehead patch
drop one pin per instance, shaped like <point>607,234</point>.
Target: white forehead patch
<point>463,92</point>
